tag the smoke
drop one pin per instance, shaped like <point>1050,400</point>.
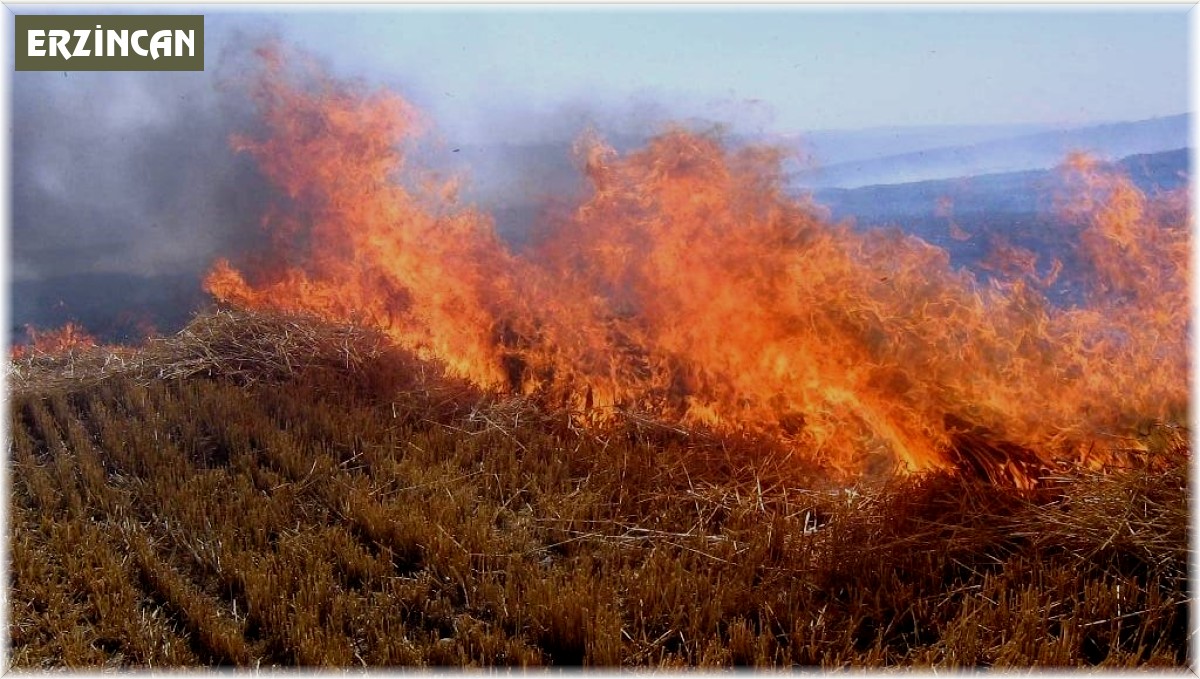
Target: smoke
<point>519,161</point>
<point>133,173</point>
<point>127,173</point>
<point>125,188</point>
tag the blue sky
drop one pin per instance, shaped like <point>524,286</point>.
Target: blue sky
<point>779,68</point>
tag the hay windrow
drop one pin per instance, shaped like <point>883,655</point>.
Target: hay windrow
<point>241,346</point>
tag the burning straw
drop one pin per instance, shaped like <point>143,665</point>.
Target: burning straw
<point>689,284</point>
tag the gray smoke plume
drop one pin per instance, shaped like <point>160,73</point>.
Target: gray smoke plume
<point>127,173</point>
<point>124,189</point>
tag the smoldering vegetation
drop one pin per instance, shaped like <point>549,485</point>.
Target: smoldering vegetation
<point>264,490</point>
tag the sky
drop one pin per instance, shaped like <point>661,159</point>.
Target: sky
<point>781,69</point>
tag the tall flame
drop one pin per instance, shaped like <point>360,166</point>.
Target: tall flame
<point>688,283</point>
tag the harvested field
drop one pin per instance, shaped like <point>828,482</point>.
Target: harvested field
<point>264,491</point>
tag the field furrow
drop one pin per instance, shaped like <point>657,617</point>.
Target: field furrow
<point>213,522</point>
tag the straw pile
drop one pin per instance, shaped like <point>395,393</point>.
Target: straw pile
<point>238,345</point>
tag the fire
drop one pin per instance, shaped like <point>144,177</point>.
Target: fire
<point>688,283</point>
<point>354,244</point>
<point>69,337</point>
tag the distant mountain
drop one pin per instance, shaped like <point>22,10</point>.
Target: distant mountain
<point>1008,192</point>
<point>1023,152</point>
<point>512,179</point>
<point>826,148</point>
<point>967,216</point>
<point>989,194</point>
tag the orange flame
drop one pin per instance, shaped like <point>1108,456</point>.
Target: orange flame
<point>689,284</point>
<point>69,337</point>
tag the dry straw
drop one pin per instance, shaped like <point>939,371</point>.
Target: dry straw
<point>313,496</point>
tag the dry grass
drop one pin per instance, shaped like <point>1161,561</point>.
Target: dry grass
<point>262,491</point>
<point>232,344</point>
